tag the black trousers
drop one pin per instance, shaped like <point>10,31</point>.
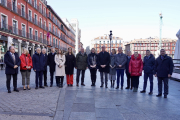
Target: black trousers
<point>135,81</point>
<point>8,81</point>
<point>39,78</point>
<point>93,75</point>
<point>166,86</point>
<point>82,76</point>
<point>129,81</point>
<point>45,77</point>
<point>52,77</point>
<point>60,80</point>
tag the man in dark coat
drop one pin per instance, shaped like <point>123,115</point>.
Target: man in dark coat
<point>163,70</point>
<point>120,61</point>
<point>129,80</point>
<point>45,67</point>
<point>52,65</point>
<point>81,66</point>
<point>103,63</point>
<point>148,67</point>
<point>12,62</point>
<point>38,67</point>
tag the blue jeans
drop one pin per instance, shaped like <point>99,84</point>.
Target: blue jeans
<point>39,78</point>
<point>120,72</point>
<point>146,76</point>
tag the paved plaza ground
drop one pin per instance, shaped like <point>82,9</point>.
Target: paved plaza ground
<point>87,103</point>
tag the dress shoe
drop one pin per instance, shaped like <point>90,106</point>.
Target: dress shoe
<point>41,87</point>
<point>101,86</point>
<point>117,87</point>
<point>36,87</point>
<point>24,88</point>
<point>92,85</point>
<point>159,95</point>
<point>83,84</point>
<point>165,96</point>
<point>127,88</point>
<point>150,93</point>
<point>121,88</point>
<point>131,88</point>
<point>51,85</point>
<point>77,85</point>
<point>9,91</point>
<point>45,85</point>
<point>106,86</point>
<point>143,91</point>
<point>16,90</point>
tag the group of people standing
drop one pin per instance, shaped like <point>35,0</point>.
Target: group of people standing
<point>112,65</point>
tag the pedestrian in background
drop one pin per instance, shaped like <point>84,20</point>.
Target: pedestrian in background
<point>60,67</point>
<point>81,66</point>
<point>92,64</point>
<point>25,68</point>
<point>12,62</point>
<point>163,71</point>
<point>135,69</point>
<point>112,65</point>
<point>103,65</point>
<point>148,67</point>
<point>52,65</point>
<point>120,60</point>
<point>38,67</point>
<point>69,66</point>
<point>45,67</point>
<point>129,79</point>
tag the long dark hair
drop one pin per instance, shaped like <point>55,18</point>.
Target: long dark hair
<point>60,53</point>
<point>68,51</point>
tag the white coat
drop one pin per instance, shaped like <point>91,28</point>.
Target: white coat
<point>60,61</point>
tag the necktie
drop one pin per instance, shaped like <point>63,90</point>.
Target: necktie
<point>13,58</point>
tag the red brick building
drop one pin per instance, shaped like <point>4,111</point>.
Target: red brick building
<point>141,45</point>
<point>31,24</point>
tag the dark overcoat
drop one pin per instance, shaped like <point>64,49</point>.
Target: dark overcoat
<point>8,60</point>
<point>70,64</point>
<point>38,62</point>
<point>51,62</point>
<point>148,64</point>
<point>103,59</point>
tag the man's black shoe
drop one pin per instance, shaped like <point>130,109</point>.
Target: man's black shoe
<point>117,87</point>
<point>127,88</point>
<point>83,84</point>
<point>121,88</point>
<point>101,86</point>
<point>16,90</point>
<point>45,85</point>
<point>41,87</point>
<point>159,95</point>
<point>150,93</point>
<point>36,87</point>
<point>9,91</point>
<point>143,91</point>
<point>106,86</point>
<point>165,96</point>
<point>51,85</point>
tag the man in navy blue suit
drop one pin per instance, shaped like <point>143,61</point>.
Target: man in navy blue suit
<point>12,62</point>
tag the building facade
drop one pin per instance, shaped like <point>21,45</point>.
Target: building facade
<point>98,42</point>
<point>141,45</point>
<point>75,25</point>
<point>32,24</point>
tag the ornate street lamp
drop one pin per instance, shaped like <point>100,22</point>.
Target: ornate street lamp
<point>110,37</point>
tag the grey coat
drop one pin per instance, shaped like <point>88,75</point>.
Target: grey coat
<point>112,63</point>
<point>120,59</point>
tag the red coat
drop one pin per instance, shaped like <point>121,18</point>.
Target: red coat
<point>136,66</point>
<point>25,61</point>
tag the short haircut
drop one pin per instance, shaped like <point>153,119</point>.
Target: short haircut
<point>103,46</point>
<point>119,48</point>
<point>128,51</point>
<point>10,47</point>
<point>44,49</point>
<point>38,48</point>
<point>147,50</point>
<point>162,49</point>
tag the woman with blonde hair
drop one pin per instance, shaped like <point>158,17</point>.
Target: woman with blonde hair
<point>60,67</point>
<point>69,66</point>
<point>25,68</point>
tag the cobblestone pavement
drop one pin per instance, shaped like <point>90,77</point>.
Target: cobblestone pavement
<point>27,104</point>
<point>87,103</point>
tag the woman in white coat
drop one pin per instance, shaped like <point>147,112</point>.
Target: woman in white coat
<point>60,67</point>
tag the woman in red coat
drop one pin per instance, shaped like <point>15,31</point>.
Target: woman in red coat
<point>135,69</point>
<point>25,68</point>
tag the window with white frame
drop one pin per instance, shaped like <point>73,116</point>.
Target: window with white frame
<point>4,21</point>
<point>36,35</point>
<point>49,26</point>
<point>35,18</point>
<point>40,7</point>
<point>50,40</point>
<point>23,11</point>
<point>41,37</point>
<point>35,4</point>
<point>40,22</point>
<point>15,27</point>
<point>30,15</point>
<point>30,33</point>
<point>23,30</point>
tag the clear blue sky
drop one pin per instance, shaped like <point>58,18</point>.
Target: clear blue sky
<point>128,19</point>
